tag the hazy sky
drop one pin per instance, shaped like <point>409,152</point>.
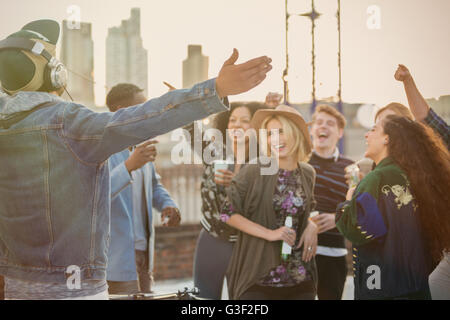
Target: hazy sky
<point>413,32</point>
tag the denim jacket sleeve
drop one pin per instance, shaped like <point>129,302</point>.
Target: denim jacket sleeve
<point>161,197</point>
<point>93,137</point>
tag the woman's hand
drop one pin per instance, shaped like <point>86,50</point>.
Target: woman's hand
<point>284,234</point>
<point>350,193</point>
<point>223,177</point>
<point>309,241</point>
<point>325,221</point>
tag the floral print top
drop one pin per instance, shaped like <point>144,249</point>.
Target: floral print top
<point>287,201</point>
<point>213,198</point>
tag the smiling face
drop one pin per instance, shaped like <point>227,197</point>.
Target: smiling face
<point>287,145</point>
<point>325,132</point>
<point>377,142</point>
<point>239,123</point>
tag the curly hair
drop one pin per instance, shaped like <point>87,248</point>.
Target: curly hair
<point>422,155</point>
<point>220,121</point>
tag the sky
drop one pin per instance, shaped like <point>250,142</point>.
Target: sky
<point>411,32</point>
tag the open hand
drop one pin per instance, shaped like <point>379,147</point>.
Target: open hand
<point>402,73</point>
<point>145,152</point>
<point>239,78</point>
<point>309,241</point>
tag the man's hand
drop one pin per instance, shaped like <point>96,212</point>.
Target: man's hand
<point>145,152</point>
<point>402,74</point>
<point>239,78</point>
<point>170,217</point>
<point>273,99</point>
<point>325,221</point>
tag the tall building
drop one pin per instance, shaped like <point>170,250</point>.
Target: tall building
<point>126,58</point>
<point>195,67</point>
<point>77,53</point>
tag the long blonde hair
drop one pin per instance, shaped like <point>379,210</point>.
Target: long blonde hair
<point>291,131</point>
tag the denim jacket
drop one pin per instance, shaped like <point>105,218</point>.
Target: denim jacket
<point>121,256</point>
<point>54,178</point>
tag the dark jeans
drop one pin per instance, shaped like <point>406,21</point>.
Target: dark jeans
<point>305,291</point>
<point>211,260</point>
<point>144,282</point>
<point>332,272</point>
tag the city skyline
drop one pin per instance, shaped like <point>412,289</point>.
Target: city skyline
<point>126,57</point>
<point>411,32</point>
<point>77,54</point>
<point>195,67</point>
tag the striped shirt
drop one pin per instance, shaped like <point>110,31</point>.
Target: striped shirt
<point>330,190</point>
<point>439,126</point>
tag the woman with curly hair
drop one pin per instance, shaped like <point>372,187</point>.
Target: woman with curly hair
<point>398,217</point>
<point>215,242</point>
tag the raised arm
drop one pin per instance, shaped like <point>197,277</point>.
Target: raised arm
<point>419,107</point>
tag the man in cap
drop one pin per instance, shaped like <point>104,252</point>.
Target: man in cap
<point>54,182</point>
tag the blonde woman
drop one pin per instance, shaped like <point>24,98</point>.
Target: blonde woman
<point>258,205</point>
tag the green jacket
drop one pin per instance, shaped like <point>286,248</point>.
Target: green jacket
<point>382,222</point>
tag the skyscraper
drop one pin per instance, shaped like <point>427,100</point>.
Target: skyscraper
<point>77,53</point>
<point>195,67</point>
<point>126,58</point>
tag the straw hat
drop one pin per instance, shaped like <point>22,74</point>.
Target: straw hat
<point>289,113</point>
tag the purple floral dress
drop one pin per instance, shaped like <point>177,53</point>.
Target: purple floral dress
<point>287,200</point>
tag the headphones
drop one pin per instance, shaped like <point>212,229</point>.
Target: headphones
<point>55,73</point>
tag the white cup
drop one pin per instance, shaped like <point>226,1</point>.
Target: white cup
<point>220,165</point>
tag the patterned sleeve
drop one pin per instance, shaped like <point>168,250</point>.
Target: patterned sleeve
<point>439,126</point>
<point>360,219</point>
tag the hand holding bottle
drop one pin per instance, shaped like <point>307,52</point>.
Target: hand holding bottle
<point>284,234</point>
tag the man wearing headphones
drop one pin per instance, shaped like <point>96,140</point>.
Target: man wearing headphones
<point>54,181</point>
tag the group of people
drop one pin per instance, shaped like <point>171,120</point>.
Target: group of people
<point>78,188</point>
<point>397,218</point>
